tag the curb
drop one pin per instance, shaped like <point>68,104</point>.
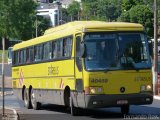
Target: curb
<point>157,97</point>
<point>10,114</point>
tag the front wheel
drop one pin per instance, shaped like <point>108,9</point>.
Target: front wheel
<point>36,105</point>
<point>125,109</point>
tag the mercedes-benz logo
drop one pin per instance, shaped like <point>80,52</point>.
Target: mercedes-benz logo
<point>122,89</point>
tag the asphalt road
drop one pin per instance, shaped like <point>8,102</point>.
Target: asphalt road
<point>51,112</point>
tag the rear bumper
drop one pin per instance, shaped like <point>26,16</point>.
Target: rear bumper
<point>101,101</point>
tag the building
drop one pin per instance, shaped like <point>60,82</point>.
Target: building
<point>52,8</point>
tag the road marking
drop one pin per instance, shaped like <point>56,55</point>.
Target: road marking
<point>157,97</point>
<point>6,93</point>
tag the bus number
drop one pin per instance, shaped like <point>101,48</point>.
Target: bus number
<point>53,70</point>
<point>98,80</point>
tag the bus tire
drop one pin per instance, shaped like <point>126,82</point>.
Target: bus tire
<point>27,102</point>
<point>35,105</point>
<point>125,109</point>
<point>74,110</point>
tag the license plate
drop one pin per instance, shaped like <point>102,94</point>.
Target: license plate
<point>122,102</point>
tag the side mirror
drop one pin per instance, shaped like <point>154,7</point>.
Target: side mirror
<point>83,50</point>
<point>10,56</point>
<point>150,45</point>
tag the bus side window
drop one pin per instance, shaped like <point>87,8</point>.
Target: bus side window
<point>24,59</point>
<point>31,54</point>
<point>58,49</point>
<point>27,55</point>
<point>78,53</point>
<point>16,57</point>
<point>67,47</point>
<point>47,54</point>
<point>53,49</point>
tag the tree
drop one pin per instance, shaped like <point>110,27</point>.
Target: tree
<point>73,10</point>
<point>124,17</point>
<point>42,25</point>
<point>106,10</point>
<point>139,14</point>
<point>128,4</point>
<point>17,18</point>
<point>22,17</point>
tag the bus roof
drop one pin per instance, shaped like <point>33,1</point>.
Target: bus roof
<point>78,27</point>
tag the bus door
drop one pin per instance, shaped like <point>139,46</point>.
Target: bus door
<point>78,74</point>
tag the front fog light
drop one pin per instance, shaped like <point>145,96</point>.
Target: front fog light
<point>149,87</point>
<point>143,88</point>
<point>99,90</point>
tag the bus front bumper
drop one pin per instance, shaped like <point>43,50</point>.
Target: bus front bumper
<point>101,101</point>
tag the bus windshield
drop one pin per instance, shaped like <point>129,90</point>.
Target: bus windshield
<point>114,51</point>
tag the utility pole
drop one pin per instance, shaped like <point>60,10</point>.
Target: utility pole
<point>3,54</point>
<point>155,80</point>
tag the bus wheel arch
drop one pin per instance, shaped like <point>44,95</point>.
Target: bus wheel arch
<point>67,96</point>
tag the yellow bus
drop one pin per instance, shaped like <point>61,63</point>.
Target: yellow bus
<point>85,64</point>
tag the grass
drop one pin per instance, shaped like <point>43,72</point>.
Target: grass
<point>5,58</point>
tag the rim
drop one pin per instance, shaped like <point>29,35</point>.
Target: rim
<point>33,98</point>
<point>26,98</point>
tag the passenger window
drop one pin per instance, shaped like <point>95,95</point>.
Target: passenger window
<point>54,49</point>
<point>27,55</point>
<point>37,53</point>
<point>58,47</point>
<point>47,53</point>
<point>67,47</point>
<point>31,54</point>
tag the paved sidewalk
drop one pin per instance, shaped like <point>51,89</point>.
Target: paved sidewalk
<point>157,97</point>
<point>9,114</point>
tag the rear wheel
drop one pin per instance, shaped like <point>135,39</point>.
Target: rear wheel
<point>27,101</point>
<point>125,109</point>
<point>36,105</point>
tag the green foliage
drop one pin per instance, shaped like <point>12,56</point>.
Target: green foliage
<point>106,10</point>
<point>128,4</point>
<point>42,25</point>
<point>73,10</point>
<point>22,16</point>
<point>139,14</point>
<point>17,18</point>
<point>124,17</point>
<point>5,57</point>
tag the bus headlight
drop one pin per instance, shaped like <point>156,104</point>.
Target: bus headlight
<point>146,87</point>
<point>96,90</point>
<point>92,90</point>
<point>149,87</point>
